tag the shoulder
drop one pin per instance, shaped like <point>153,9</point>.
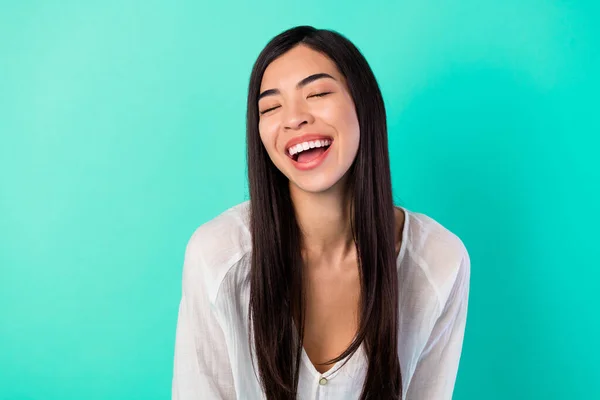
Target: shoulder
<point>216,246</point>
<point>439,253</point>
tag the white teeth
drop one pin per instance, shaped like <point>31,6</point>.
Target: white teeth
<point>300,147</point>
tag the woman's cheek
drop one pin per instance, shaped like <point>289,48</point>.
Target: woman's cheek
<point>339,110</point>
<point>267,135</point>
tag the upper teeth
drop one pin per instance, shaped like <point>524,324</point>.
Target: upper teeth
<point>300,147</point>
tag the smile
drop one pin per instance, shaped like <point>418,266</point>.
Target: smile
<point>310,158</point>
<point>308,146</point>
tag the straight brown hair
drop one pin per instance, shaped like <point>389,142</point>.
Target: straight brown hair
<point>276,275</point>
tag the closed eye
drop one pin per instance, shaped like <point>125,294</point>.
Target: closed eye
<point>320,94</point>
<point>268,109</point>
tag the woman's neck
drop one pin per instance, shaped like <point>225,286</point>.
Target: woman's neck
<point>324,220</point>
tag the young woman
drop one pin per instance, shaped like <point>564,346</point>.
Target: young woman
<point>319,287</point>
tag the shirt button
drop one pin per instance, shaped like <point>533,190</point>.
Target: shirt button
<point>323,381</point>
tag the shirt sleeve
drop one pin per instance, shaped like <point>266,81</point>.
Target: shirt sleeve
<point>436,370</point>
<point>202,368</point>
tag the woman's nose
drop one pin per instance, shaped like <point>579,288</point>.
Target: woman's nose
<point>296,116</point>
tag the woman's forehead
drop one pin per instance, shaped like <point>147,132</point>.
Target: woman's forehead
<point>295,65</point>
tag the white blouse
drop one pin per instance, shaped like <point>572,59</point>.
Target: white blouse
<point>212,354</point>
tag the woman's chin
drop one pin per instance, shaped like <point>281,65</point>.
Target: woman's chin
<point>318,183</point>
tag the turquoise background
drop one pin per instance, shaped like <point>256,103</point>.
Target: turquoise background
<point>122,130</point>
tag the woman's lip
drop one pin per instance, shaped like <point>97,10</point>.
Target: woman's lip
<point>313,163</point>
<point>287,152</point>
<point>306,138</point>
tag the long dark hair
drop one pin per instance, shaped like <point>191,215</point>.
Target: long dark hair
<point>276,290</point>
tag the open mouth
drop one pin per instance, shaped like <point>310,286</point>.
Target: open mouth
<point>301,154</point>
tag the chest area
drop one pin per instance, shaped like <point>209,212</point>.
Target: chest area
<point>332,315</point>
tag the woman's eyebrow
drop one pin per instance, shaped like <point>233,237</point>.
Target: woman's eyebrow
<point>299,85</point>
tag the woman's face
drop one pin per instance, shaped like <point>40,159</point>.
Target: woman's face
<point>305,104</point>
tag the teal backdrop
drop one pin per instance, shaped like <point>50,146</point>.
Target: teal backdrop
<point>122,130</point>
